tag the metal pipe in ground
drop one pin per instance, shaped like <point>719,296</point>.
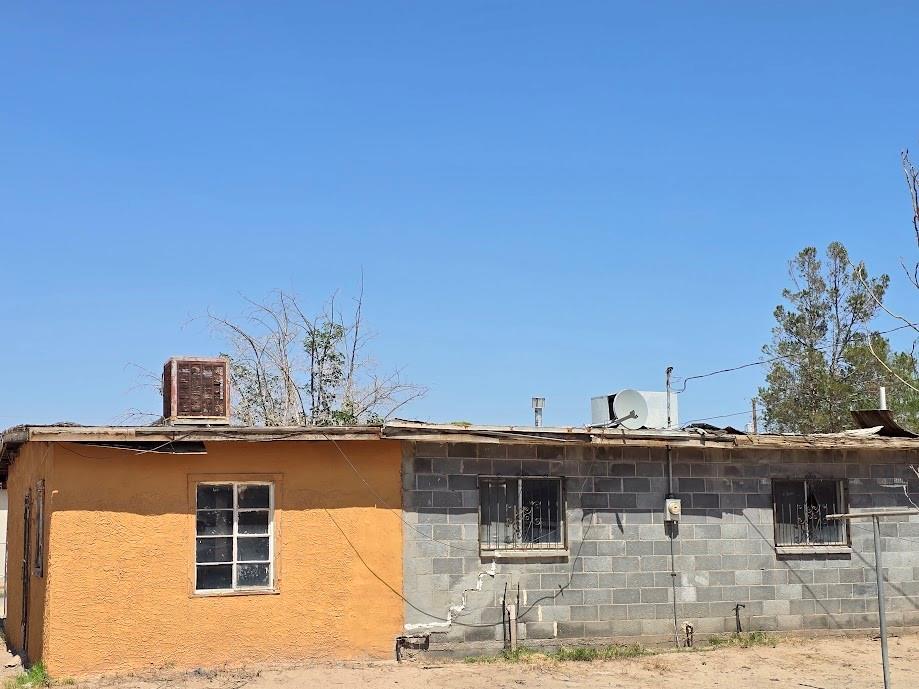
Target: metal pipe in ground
<point>882,615</point>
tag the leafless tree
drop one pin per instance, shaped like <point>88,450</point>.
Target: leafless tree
<point>289,368</point>
<point>912,184</point>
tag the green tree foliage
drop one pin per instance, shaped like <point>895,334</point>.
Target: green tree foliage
<point>827,360</point>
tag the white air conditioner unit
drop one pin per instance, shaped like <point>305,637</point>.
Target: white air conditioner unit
<point>603,409</point>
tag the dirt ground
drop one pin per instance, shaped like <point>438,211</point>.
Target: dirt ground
<point>825,663</point>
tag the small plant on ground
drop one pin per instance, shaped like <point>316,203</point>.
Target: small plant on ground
<point>742,639</point>
<point>35,676</point>
<point>588,653</point>
<point>564,654</point>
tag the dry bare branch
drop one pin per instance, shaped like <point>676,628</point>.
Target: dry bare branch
<point>289,368</point>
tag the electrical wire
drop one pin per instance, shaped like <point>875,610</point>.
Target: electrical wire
<point>720,416</point>
<point>393,510</point>
<point>552,596</point>
<point>763,362</point>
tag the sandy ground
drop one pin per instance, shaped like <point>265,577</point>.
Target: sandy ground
<point>826,663</point>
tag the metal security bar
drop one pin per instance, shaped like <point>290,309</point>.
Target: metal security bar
<point>521,514</point>
<point>801,507</point>
<point>808,525</point>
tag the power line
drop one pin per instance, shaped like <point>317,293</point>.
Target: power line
<point>720,416</point>
<point>763,362</point>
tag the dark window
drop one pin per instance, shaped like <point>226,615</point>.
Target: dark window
<point>521,514</point>
<point>233,547</point>
<point>801,508</point>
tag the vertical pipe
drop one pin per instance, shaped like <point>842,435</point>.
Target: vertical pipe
<point>672,529</point>
<point>883,392</point>
<point>882,616</point>
<point>755,420</point>
<point>668,372</point>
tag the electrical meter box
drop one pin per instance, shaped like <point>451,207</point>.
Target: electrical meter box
<point>672,510</point>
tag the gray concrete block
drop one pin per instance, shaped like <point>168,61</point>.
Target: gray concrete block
<point>583,613</point>
<point>655,595</point>
<point>448,565</point>
<point>626,564</point>
<point>447,499</point>
<point>639,548</point>
<point>570,630</point>
<point>540,630</point>
<point>626,596</point>
<point>598,596</point>
<point>641,611</point>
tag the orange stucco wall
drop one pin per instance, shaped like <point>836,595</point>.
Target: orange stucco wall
<point>120,573</point>
<point>33,464</point>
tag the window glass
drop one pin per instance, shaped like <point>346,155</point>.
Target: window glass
<point>253,522</point>
<point>800,511</point>
<point>252,574</point>
<point>521,513</point>
<point>233,548</point>
<point>214,577</point>
<point>215,522</point>
<point>251,549</point>
<point>215,497</point>
<point>253,496</point>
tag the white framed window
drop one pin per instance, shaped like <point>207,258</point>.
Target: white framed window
<point>234,542</point>
<point>521,514</point>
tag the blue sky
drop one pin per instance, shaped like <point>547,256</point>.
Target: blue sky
<point>544,198</point>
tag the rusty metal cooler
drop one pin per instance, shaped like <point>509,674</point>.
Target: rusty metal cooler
<point>196,390</point>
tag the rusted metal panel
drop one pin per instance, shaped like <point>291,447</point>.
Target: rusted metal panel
<point>196,390</point>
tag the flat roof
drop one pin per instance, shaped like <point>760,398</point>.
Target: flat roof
<point>400,429</point>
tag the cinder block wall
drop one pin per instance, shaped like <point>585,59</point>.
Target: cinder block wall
<point>616,581</point>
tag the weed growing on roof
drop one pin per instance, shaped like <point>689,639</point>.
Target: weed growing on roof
<point>35,676</point>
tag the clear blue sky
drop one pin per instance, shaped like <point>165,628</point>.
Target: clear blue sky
<point>556,199</point>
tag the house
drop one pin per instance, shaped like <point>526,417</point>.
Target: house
<point>142,547</point>
<point>134,547</point>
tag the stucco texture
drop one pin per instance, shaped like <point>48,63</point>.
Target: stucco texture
<point>120,574</point>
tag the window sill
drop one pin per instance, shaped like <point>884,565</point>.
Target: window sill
<point>240,592</point>
<point>813,550</point>
<point>555,555</point>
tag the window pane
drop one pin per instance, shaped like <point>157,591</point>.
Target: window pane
<point>253,522</point>
<point>214,577</point>
<point>252,575</point>
<point>500,523</point>
<point>251,549</point>
<point>214,522</point>
<point>540,513</point>
<point>801,508</point>
<point>253,496</point>
<point>214,497</point>
<point>790,519</point>
<point>822,499</point>
<point>214,549</point>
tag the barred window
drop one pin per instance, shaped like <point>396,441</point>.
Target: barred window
<point>234,547</point>
<point>521,514</point>
<point>801,507</point>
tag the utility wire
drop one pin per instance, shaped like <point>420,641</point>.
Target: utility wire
<point>385,503</point>
<point>720,416</point>
<point>763,362</point>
